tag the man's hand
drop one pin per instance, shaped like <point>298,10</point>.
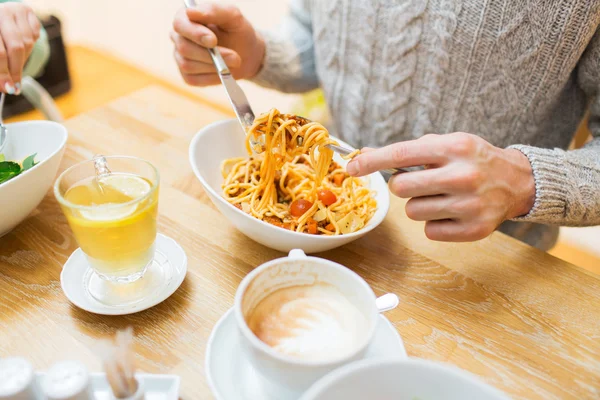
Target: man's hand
<point>469,187</point>
<point>206,26</point>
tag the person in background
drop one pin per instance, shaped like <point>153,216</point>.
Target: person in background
<point>486,95</point>
<point>24,48</point>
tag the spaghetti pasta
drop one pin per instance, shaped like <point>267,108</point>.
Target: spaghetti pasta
<point>293,182</point>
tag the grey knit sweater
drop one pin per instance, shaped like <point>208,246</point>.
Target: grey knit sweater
<point>515,72</point>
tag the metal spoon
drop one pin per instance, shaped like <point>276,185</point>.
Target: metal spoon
<point>387,302</point>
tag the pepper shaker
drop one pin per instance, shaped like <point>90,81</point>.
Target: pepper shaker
<point>17,380</point>
<point>67,380</point>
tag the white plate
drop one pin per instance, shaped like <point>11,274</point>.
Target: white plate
<point>232,377</point>
<point>157,387</point>
<point>170,258</point>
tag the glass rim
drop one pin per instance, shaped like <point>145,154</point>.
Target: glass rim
<point>67,203</point>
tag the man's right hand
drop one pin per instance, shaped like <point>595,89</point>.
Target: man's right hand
<point>206,26</point>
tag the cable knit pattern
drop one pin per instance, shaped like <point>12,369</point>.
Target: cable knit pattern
<point>518,73</point>
<point>331,27</point>
<point>404,26</point>
<point>435,64</point>
<point>361,51</point>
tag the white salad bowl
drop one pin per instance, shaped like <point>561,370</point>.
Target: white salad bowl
<point>393,379</point>
<point>226,139</point>
<point>20,195</point>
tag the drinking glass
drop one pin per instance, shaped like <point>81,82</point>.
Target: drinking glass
<point>111,204</point>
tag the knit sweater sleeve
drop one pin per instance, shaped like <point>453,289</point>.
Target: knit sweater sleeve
<point>567,183</point>
<point>289,64</point>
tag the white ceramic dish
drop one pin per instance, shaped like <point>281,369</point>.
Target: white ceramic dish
<point>225,139</point>
<point>160,281</point>
<point>397,378</point>
<point>157,387</point>
<point>22,194</point>
<point>232,377</point>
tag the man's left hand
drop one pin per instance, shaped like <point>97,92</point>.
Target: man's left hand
<point>468,188</point>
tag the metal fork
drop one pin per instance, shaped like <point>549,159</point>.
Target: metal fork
<point>387,173</point>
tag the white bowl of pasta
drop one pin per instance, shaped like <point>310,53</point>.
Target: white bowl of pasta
<point>341,211</point>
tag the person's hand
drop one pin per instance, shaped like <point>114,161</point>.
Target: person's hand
<point>205,26</point>
<point>20,29</point>
<point>468,188</point>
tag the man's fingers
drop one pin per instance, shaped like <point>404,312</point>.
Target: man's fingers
<point>411,153</point>
<point>191,67</point>
<point>226,17</point>
<point>196,32</point>
<point>455,231</point>
<point>430,208</point>
<point>201,79</point>
<point>427,182</point>
<point>189,50</point>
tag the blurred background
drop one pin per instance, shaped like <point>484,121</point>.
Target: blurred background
<point>116,46</point>
<point>136,31</point>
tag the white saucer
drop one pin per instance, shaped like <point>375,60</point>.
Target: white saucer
<point>232,377</point>
<point>164,276</point>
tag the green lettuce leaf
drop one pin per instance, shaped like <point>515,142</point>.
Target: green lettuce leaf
<point>8,170</point>
<point>29,162</point>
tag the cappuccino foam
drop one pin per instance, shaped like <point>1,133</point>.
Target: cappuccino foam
<point>315,322</point>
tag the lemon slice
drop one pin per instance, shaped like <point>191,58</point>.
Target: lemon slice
<point>130,185</point>
<point>108,212</point>
<point>126,187</point>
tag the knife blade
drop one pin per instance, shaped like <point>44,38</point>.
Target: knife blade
<point>236,95</point>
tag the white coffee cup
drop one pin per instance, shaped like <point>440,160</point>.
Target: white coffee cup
<point>287,373</point>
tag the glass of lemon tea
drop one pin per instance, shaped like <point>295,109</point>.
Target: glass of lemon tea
<point>111,204</point>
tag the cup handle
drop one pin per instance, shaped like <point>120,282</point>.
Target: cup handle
<point>296,254</point>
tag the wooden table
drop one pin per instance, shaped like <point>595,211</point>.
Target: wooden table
<point>524,321</point>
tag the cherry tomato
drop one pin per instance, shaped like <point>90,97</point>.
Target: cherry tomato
<point>299,207</point>
<point>327,197</point>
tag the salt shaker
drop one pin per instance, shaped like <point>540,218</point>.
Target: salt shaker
<point>67,380</point>
<point>17,380</point>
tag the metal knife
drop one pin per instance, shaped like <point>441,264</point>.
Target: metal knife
<point>236,95</point>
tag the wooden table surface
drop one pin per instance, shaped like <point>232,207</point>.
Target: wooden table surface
<point>522,320</point>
